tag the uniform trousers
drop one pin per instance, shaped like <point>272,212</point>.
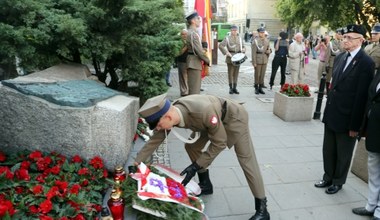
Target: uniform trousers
<point>260,73</point>
<point>278,61</point>
<point>194,81</point>
<point>244,151</point>
<point>233,73</point>
<point>337,154</point>
<point>373,183</point>
<point>182,78</point>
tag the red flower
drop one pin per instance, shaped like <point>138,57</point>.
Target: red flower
<point>35,155</point>
<point>297,91</point>
<point>7,171</point>
<point>75,189</point>
<point>19,189</point>
<point>79,217</point>
<point>37,189</point>
<point>55,170</point>
<point>25,164</point>
<point>45,206</point>
<point>76,159</point>
<point>73,204</point>
<point>97,162</point>
<point>105,173</point>
<point>2,157</point>
<point>52,192</point>
<point>45,217</point>
<point>83,171</point>
<point>64,218</point>
<point>6,206</point>
<point>62,185</point>
<point>84,182</point>
<point>41,178</point>
<point>22,174</point>
<point>33,209</point>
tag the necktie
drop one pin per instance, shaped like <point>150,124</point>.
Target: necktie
<point>345,61</point>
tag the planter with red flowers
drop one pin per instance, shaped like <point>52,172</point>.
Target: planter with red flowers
<point>47,186</point>
<point>293,103</point>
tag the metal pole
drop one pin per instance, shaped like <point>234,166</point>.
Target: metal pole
<point>317,113</point>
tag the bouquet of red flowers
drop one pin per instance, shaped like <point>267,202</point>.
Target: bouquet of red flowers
<point>36,185</point>
<point>296,90</point>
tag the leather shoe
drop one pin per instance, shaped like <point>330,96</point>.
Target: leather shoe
<point>333,189</point>
<point>323,184</point>
<point>362,211</point>
<point>375,218</point>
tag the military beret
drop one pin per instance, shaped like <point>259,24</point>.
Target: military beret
<point>339,31</point>
<point>154,108</point>
<point>261,30</point>
<point>192,15</point>
<point>354,28</point>
<point>376,28</point>
<point>233,27</point>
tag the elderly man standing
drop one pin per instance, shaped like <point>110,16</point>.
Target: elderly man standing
<point>260,52</point>
<point>345,106</point>
<point>230,46</point>
<point>296,59</point>
<point>195,54</point>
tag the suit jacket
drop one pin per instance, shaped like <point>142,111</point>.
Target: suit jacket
<point>372,119</point>
<point>203,113</point>
<point>345,105</point>
<point>195,51</point>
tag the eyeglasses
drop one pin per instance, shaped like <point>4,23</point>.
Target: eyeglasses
<point>349,38</point>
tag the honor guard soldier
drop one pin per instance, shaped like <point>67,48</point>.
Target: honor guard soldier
<point>260,52</point>
<point>195,54</point>
<point>334,49</point>
<point>218,121</point>
<point>230,46</point>
<point>373,49</point>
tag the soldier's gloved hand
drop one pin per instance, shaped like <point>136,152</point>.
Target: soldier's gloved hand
<point>190,172</point>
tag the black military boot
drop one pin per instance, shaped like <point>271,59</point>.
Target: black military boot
<point>231,90</point>
<point>234,89</point>
<point>261,91</point>
<point>261,210</point>
<point>256,89</point>
<point>205,183</point>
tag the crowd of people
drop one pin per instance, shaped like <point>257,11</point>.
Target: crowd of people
<point>352,108</point>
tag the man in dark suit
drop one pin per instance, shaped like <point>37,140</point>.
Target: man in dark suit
<point>345,106</point>
<point>372,130</point>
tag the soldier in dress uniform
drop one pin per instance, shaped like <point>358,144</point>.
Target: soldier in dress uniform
<point>219,121</point>
<point>230,46</point>
<point>195,54</point>
<point>260,52</point>
<point>334,49</point>
<point>373,49</point>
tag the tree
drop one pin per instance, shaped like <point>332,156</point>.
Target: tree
<point>134,37</point>
<point>335,14</point>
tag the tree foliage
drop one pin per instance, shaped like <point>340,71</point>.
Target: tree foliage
<point>337,13</point>
<point>137,38</point>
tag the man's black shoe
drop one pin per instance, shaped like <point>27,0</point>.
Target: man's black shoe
<point>333,189</point>
<point>323,184</point>
<point>263,86</point>
<point>362,211</point>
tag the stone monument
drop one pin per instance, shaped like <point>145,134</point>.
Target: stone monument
<point>62,109</point>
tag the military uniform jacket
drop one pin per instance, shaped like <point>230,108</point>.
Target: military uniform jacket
<point>372,119</point>
<point>203,113</point>
<point>195,50</point>
<point>231,44</point>
<point>347,98</point>
<point>373,50</point>
<point>260,51</point>
<point>334,49</point>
